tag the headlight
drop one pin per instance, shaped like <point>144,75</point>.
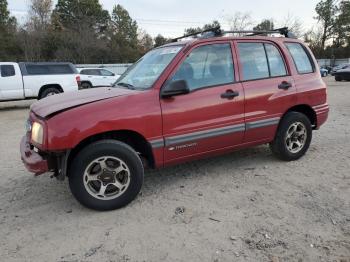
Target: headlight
<point>37,133</point>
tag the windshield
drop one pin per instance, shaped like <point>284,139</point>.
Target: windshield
<point>146,71</point>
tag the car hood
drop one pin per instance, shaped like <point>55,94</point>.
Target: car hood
<point>62,102</point>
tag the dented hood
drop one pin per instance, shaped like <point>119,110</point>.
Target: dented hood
<point>62,102</point>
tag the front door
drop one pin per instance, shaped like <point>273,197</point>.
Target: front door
<point>211,116</point>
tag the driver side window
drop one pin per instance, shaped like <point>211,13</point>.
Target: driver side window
<point>205,66</point>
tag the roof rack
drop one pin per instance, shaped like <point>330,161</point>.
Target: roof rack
<point>217,32</point>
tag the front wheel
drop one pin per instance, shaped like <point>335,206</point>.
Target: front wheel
<point>338,78</point>
<point>293,137</point>
<point>106,175</point>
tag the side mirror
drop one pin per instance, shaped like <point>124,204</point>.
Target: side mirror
<point>175,88</point>
<point>113,74</point>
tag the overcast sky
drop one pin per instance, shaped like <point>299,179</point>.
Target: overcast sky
<point>170,17</point>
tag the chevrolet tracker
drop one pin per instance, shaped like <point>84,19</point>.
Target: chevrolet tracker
<point>183,101</point>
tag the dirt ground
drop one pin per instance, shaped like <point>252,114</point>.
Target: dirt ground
<point>245,206</point>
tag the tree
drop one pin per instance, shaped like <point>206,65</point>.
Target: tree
<point>326,14</point>
<point>123,35</point>
<point>80,27</point>
<point>294,25</point>
<point>9,48</point>
<point>35,32</point>
<point>240,21</point>
<point>73,14</point>
<point>160,40</point>
<point>145,42</point>
<point>265,25</point>
<point>193,30</point>
<point>342,25</point>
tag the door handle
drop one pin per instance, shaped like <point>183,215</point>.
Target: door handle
<point>229,94</point>
<point>285,85</point>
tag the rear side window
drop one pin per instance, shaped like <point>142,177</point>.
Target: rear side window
<point>301,58</point>
<point>106,72</point>
<point>93,72</point>
<point>7,70</point>
<point>49,69</point>
<point>253,61</point>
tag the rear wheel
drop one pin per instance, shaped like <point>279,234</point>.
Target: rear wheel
<point>293,137</point>
<point>338,78</point>
<point>106,175</point>
<point>86,85</point>
<point>49,92</point>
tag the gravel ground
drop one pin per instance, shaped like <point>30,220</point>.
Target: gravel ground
<point>245,206</point>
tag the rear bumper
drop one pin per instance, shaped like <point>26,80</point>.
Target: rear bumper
<point>322,112</point>
<point>34,162</point>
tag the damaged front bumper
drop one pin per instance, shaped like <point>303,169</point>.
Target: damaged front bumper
<point>32,160</point>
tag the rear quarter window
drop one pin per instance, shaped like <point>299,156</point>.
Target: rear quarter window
<point>301,58</point>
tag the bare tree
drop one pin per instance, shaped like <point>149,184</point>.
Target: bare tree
<point>40,13</point>
<point>36,29</point>
<point>294,25</point>
<point>239,21</point>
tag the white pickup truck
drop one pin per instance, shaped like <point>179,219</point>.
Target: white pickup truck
<point>36,80</point>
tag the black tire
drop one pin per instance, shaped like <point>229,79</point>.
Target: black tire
<point>279,145</point>
<point>49,92</point>
<point>105,148</point>
<point>338,78</point>
<point>86,85</point>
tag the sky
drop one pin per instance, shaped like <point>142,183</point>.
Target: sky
<point>171,17</point>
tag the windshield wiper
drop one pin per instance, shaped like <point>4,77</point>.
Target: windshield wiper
<point>129,86</point>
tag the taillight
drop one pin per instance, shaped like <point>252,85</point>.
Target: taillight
<point>78,81</point>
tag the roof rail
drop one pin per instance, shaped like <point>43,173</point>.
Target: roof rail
<point>217,32</point>
<point>211,32</point>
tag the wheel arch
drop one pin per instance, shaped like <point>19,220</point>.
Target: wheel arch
<point>87,81</point>
<point>307,111</point>
<point>132,138</point>
<point>42,89</point>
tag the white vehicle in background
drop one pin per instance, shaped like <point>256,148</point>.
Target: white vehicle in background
<point>95,77</point>
<point>19,81</point>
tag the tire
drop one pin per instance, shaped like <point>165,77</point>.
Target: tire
<point>86,85</point>
<point>338,78</point>
<point>129,180</point>
<point>282,147</point>
<point>49,92</point>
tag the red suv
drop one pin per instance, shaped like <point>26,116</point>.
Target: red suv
<point>183,101</point>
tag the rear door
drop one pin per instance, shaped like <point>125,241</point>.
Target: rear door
<point>11,83</point>
<point>108,77</point>
<point>211,116</point>
<point>93,76</point>
<point>269,88</point>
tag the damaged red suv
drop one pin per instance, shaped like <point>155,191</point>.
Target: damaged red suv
<point>182,101</point>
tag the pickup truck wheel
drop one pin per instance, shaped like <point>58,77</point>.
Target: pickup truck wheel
<point>106,175</point>
<point>293,137</point>
<point>49,92</point>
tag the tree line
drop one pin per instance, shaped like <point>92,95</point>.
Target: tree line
<point>81,31</point>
